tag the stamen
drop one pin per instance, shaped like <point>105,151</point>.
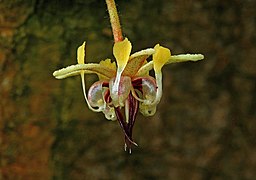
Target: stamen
<point>123,125</point>
<point>119,97</point>
<point>116,82</point>
<point>132,116</point>
<point>127,110</point>
<point>125,146</point>
<point>127,126</point>
<point>133,112</point>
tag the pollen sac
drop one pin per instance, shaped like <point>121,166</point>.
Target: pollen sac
<point>124,88</point>
<point>96,95</point>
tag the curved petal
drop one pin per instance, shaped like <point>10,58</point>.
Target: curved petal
<point>147,88</point>
<point>161,56</point>
<point>85,96</point>
<point>96,96</point>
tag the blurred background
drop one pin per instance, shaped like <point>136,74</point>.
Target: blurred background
<point>205,125</point>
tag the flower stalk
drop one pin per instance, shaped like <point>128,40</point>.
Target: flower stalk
<point>114,20</point>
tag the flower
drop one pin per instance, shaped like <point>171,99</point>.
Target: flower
<point>126,83</point>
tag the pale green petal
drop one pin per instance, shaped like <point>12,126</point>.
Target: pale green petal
<point>174,59</point>
<point>185,57</point>
<point>58,75</point>
<point>87,68</point>
<point>148,51</point>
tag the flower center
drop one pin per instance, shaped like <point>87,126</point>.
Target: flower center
<point>133,95</point>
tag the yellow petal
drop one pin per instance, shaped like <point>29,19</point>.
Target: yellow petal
<point>121,51</point>
<point>81,54</point>
<point>108,64</point>
<point>161,56</point>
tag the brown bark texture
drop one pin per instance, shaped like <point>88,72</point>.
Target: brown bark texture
<point>205,125</point>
